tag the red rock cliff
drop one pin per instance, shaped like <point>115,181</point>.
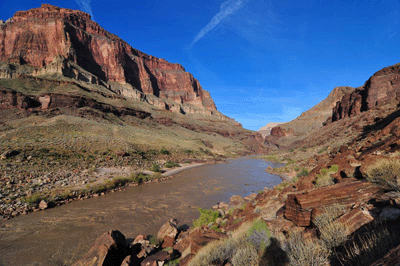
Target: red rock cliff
<point>37,36</point>
<point>382,88</point>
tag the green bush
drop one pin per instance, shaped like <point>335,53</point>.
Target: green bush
<point>386,173</point>
<point>34,199</point>
<point>188,151</point>
<point>282,185</point>
<point>303,172</point>
<point>155,168</point>
<point>154,241</point>
<point>171,164</point>
<point>324,177</point>
<point>206,217</point>
<point>214,227</point>
<point>165,151</point>
<point>174,262</point>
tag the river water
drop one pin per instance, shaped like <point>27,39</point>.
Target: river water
<point>59,236</point>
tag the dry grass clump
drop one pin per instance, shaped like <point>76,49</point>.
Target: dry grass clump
<point>386,173</point>
<point>324,177</point>
<point>332,233</point>
<point>245,255</point>
<point>302,251</point>
<point>245,247</point>
<point>371,245</point>
<point>221,250</point>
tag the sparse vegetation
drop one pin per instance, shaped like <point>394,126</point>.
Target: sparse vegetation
<point>282,185</point>
<point>306,251</point>
<point>324,177</point>
<point>303,172</point>
<point>386,173</point>
<point>174,262</point>
<point>171,164</point>
<point>165,151</point>
<point>206,217</point>
<point>154,241</point>
<point>370,245</point>
<point>332,232</point>
<point>155,168</point>
<point>246,246</point>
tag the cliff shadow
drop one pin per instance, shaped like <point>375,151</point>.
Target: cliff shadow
<point>84,56</point>
<point>153,81</point>
<point>379,124</point>
<point>131,72</point>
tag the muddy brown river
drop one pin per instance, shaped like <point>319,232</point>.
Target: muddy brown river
<point>59,236</point>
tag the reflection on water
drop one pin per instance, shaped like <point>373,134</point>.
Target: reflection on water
<point>60,235</point>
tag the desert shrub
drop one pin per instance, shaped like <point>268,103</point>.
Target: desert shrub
<point>206,217</point>
<point>155,168</point>
<point>332,233</point>
<point>188,151</point>
<point>324,177</point>
<point>282,185</point>
<point>154,241</point>
<point>34,199</point>
<point>244,247</point>
<point>323,150</point>
<point>215,251</point>
<point>165,151</point>
<point>303,172</point>
<point>99,188</point>
<point>205,151</point>
<point>334,168</point>
<point>306,251</point>
<point>245,256</point>
<point>116,182</point>
<point>259,235</point>
<point>174,262</point>
<point>214,227</point>
<point>138,178</point>
<point>171,164</point>
<point>371,245</point>
<point>386,173</point>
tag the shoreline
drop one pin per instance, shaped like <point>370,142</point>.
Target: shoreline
<point>82,194</point>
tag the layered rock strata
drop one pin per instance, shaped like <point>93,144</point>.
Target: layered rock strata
<point>380,89</point>
<point>51,40</point>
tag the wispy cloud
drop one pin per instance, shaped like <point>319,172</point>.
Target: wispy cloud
<point>227,8</point>
<point>84,5</point>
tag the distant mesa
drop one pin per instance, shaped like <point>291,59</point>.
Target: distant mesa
<point>266,130</point>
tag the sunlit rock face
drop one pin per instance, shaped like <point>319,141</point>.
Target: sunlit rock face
<point>51,39</point>
<point>380,89</point>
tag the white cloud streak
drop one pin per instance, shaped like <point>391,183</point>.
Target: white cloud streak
<point>227,8</point>
<point>84,5</point>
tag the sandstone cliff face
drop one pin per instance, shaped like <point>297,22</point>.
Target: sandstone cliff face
<point>50,39</point>
<point>381,89</point>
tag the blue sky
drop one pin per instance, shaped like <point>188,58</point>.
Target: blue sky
<point>262,61</point>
